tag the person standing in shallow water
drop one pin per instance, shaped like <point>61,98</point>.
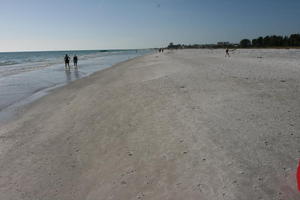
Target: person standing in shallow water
<point>75,60</point>
<point>67,61</point>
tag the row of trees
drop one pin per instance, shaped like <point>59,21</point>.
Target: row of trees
<point>272,41</point>
<point>199,46</point>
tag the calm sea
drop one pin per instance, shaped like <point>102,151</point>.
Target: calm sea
<point>26,76</point>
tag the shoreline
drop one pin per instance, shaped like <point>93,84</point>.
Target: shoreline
<point>11,112</point>
<point>187,124</point>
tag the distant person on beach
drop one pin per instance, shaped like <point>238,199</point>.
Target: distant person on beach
<point>67,61</point>
<point>227,53</point>
<point>75,60</point>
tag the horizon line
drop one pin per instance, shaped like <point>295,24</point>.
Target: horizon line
<point>32,51</point>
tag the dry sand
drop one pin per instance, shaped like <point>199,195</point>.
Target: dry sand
<point>179,125</point>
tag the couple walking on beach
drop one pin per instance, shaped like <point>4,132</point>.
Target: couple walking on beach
<point>67,61</point>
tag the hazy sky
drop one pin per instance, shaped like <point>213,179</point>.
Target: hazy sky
<point>114,24</point>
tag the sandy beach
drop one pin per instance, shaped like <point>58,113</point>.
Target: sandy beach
<point>188,124</point>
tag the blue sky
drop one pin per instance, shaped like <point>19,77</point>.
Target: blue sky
<point>115,24</point>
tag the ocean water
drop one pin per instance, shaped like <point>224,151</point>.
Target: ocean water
<point>26,76</point>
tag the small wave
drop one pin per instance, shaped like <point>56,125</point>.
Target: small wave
<point>4,63</point>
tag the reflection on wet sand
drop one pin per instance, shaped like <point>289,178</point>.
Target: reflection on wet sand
<point>76,73</point>
<point>68,75</point>
<point>72,76</point>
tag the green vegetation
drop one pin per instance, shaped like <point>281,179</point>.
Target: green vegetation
<point>272,41</point>
<point>245,43</point>
<point>201,46</point>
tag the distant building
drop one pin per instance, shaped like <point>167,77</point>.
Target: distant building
<point>223,43</point>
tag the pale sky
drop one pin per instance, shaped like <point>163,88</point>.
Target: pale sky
<point>121,24</point>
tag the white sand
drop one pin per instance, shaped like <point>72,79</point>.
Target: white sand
<point>180,125</point>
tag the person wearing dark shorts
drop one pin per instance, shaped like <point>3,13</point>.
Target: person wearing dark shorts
<point>75,60</point>
<point>67,61</point>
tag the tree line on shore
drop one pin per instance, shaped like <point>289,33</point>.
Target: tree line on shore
<point>198,46</point>
<point>261,42</point>
<point>272,41</point>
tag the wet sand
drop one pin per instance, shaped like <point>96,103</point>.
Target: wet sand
<point>27,81</point>
<point>187,124</point>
